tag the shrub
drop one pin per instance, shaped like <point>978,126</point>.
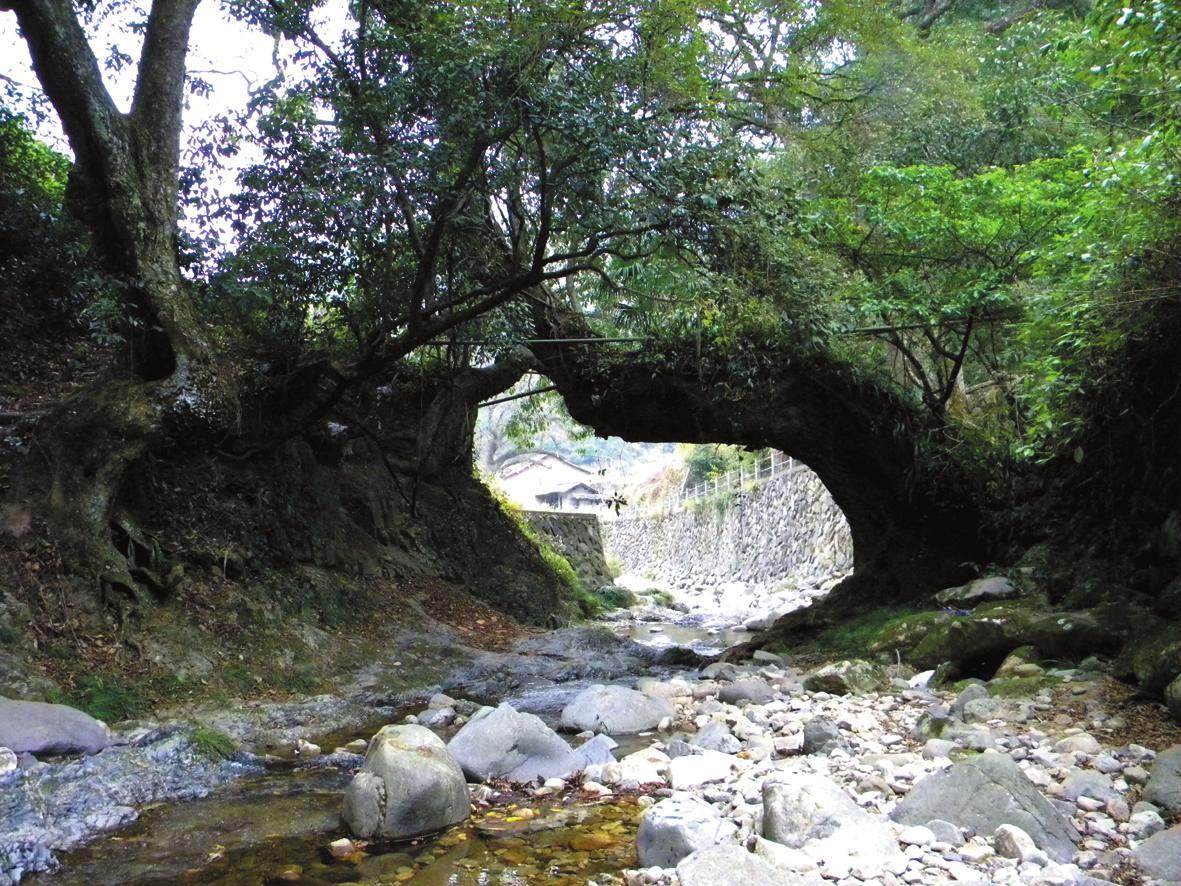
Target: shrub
<point>613,597</point>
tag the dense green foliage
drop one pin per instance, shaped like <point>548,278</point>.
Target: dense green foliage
<point>44,264</point>
<point>970,209</point>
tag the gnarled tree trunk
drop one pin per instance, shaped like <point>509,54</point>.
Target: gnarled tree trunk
<point>124,186</point>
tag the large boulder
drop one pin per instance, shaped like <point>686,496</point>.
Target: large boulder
<point>616,710</point>
<point>1153,657</point>
<point>978,642</point>
<point>846,677</point>
<point>679,826</point>
<point>35,727</point>
<point>982,590</point>
<point>408,785</point>
<point>1164,783</point>
<point>502,742</point>
<point>727,863</point>
<point>984,793</point>
<point>815,815</point>
<point>1160,856</point>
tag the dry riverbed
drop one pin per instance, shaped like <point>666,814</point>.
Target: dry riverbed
<point>766,772</point>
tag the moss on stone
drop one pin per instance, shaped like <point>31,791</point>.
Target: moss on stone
<point>658,596</point>
<point>958,755</point>
<point>866,633</point>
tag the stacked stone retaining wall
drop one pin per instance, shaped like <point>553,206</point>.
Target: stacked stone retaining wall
<point>786,529</point>
<point>578,538</point>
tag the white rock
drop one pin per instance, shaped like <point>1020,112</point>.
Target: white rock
<point>784,858</point>
<point>644,767</point>
<point>306,749</point>
<point>694,770</point>
<point>678,826</point>
<point>977,853</point>
<point>916,836</point>
<point>1144,824</point>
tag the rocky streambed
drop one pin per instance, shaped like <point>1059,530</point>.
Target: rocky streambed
<point>775,771</point>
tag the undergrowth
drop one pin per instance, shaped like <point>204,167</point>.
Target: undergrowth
<point>105,698</point>
<point>588,604</point>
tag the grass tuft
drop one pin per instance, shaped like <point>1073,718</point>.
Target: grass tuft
<point>213,744</point>
<point>106,698</point>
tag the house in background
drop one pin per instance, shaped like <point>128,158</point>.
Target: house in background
<point>542,481</point>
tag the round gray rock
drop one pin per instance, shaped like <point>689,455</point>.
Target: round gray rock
<point>35,727</point>
<point>1160,855</point>
<point>502,742</point>
<point>984,793</point>
<point>409,785</point>
<point>752,690</point>
<point>716,737</point>
<point>677,827</point>
<point>1164,782</point>
<point>726,863</point>
<point>616,710</point>
<point>821,736</point>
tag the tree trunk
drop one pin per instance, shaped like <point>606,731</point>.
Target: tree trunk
<point>124,186</point>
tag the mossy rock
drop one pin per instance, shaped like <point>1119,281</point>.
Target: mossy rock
<point>1024,661</point>
<point>615,597</point>
<point>979,642</point>
<point>845,677</point>
<point>879,630</point>
<point>908,631</point>
<point>1153,659</point>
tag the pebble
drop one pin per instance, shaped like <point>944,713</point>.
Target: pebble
<point>876,764</point>
<point>916,836</point>
<point>306,749</point>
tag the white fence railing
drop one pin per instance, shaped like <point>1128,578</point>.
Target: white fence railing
<point>775,465</point>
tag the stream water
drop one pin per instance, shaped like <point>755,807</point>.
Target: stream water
<point>277,828</point>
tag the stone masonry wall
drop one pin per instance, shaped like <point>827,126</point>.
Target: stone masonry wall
<point>787,528</point>
<point>576,537</point>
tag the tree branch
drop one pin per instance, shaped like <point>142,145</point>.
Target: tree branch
<point>69,74</point>
<point>159,94</point>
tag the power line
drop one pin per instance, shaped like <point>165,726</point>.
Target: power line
<point>520,396</point>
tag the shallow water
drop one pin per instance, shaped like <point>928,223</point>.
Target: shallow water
<point>277,828</point>
<point>706,641</point>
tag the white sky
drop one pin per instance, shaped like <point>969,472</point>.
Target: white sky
<point>224,52</point>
